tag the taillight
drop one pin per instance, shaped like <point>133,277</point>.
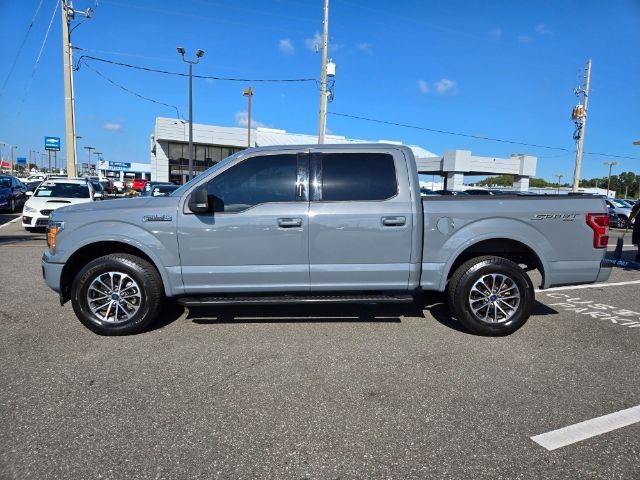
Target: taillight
<point>599,222</point>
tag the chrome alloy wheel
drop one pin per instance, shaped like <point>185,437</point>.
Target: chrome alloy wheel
<point>494,298</point>
<point>114,297</point>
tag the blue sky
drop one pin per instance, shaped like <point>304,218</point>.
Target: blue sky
<point>502,68</point>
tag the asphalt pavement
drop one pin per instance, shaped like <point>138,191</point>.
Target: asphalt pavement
<point>314,392</point>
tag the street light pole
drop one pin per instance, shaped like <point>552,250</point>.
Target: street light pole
<point>559,176</point>
<point>199,55</point>
<point>89,150</point>
<point>611,164</point>
<point>322,115</point>
<point>248,92</point>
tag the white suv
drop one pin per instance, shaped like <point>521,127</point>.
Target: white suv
<point>53,194</point>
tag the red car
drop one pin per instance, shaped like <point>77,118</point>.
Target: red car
<point>138,184</point>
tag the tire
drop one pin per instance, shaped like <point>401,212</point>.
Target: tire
<point>103,280</point>
<point>622,221</point>
<point>472,298</point>
<point>12,205</point>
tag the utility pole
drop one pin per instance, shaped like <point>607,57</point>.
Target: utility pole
<point>68,14</point>
<point>322,117</point>
<point>580,117</point>
<point>611,164</point>
<point>248,92</point>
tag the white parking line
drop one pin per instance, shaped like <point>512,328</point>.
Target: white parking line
<point>587,429</point>
<point>12,221</point>
<point>591,285</point>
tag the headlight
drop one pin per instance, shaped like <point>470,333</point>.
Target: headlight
<point>28,209</point>
<point>53,230</point>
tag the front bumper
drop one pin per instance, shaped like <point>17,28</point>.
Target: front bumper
<point>52,273</point>
<point>35,220</point>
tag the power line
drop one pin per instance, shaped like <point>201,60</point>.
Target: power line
<point>37,62</point>
<point>476,137</point>
<point>122,87</point>
<point>84,58</point>
<point>24,40</point>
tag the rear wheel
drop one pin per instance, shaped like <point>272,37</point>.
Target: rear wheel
<point>490,296</point>
<point>117,294</point>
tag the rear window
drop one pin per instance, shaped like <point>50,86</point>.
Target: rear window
<point>358,176</point>
<point>64,190</point>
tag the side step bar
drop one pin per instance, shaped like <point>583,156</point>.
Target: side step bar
<point>293,299</point>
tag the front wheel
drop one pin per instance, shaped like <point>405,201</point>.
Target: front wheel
<point>117,294</point>
<point>623,222</point>
<point>491,296</point>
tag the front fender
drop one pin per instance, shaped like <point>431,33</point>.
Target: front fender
<point>160,245</point>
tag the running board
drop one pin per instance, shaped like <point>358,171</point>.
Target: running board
<point>292,299</point>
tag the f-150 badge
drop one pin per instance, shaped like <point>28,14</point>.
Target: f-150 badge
<point>157,218</point>
<point>565,217</point>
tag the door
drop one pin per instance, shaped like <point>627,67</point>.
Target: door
<point>361,221</point>
<point>255,238</point>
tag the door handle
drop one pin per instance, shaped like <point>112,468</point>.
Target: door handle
<point>289,222</point>
<point>394,221</point>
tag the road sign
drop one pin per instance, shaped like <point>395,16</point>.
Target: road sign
<point>21,161</point>
<point>52,143</point>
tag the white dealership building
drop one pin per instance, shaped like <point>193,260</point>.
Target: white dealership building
<point>212,143</point>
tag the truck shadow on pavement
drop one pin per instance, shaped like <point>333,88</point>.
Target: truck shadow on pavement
<point>323,313</point>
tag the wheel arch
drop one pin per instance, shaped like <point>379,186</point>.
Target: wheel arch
<point>91,251</point>
<point>510,248</point>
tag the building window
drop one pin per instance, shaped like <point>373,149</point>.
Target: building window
<point>205,156</point>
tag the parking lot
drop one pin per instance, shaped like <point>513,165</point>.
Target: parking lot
<point>314,392</point>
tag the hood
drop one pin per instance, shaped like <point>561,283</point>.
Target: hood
<point>122,205</point>
<point>54,202</point>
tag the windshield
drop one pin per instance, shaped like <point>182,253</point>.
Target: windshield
<point>64,190</point>
<point>5,182</point>
<point>209,170</point>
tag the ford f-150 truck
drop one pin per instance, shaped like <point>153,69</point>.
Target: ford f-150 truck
<point>326,223</point>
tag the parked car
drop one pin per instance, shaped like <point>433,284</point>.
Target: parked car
<point>427,192</point>
<point>97,188</point>
<point>451,192</point>
<point>163,190</point>
<point>478,191</point>
<point>53,194</point>
<point>107,185</point>
<point>119,186</point>
<point>31,186</point>
<point>138,184</point>
<point>146,191</point>
<point>13,193</point>
<point>327,223</point>
<point>624,201</point>
<point>613,217</point>
<point>622,211</point>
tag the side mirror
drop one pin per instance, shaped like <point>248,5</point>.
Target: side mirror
<point>199,200</point>
<point>29,193</point>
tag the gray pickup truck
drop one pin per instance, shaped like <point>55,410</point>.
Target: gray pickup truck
<point>326,223</point>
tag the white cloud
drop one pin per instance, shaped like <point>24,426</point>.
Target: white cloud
<point>525,39</point>
<point>496,33</point>
<point>423,86</point>
<point>314,43</point>
<point>242,120</point>
<point>286,46</point>
<point>445,85</point>
<point>114,127</point>
<point>365,48</point>
<point>541,29</point>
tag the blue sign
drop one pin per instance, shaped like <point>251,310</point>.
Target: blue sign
<point>21,161</point>
<point>120,165</point>
<point>52,143</point>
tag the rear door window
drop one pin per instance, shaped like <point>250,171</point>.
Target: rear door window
<point>358,177</point>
